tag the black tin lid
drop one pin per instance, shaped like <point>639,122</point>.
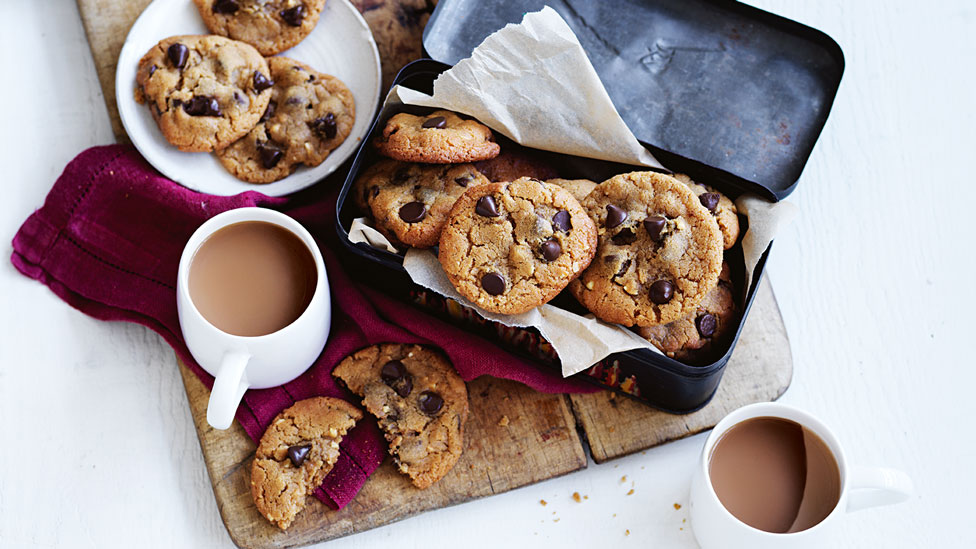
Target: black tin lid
<point>721,90</point>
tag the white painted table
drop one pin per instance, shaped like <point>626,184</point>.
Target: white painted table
<point>875,281</point>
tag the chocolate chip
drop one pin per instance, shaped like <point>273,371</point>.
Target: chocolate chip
<point>414,212</point>
<point>430,402</point>
<point>293,16</point>
<point>438,122</point>
<point>401,176</point>
<point>609,259</point>
<point>297,454</point>
<point>562,221</point>
<point>311,78</point>
<point>709,200</point>
<point>654,226</point>
<point>325,126</point>
<point>177,54</point>
<point>270,156</point>
<point>294,100</point>
<point>624,237</point>
<point>396,376</point>
<point>551,250</point>
<point>225,6</point>
<point>240,99</point>
<point>463,181</point>
<point>623,268</point>
<point>486,207</point>
<point>152,69</point>
<point>706,324</point>
<point>493,283</point>
<point>269,112</point>
<point>615,216</point>
<point>261,82</point>
<point>662,291</point>
<point>202,105</point>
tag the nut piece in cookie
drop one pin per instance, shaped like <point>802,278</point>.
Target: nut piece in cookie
<point>410,202</point>
<point>514,162</point>
<point>296,453</point>
<point>440,137</point>
<point>579,188</point>
<point>721,207</point>
<point>309,115</point>
<point>696,337</point>
<point>510,247</point>
<point>204,92</point>
<point>659,251</point>
<point>420,401</point>
<point>271,26</point>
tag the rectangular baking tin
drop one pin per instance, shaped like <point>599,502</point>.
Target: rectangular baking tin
<point>715,88</point>
<point>649,377</point>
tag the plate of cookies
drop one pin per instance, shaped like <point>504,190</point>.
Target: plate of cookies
<point>226,96</point>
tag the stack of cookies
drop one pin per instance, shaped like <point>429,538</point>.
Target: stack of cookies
<point>262,117</point>
<point>644,250</point>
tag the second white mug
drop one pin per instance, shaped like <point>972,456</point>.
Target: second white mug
<point>715,527</point>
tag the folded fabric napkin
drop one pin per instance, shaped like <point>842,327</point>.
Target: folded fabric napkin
<point>108,241</point>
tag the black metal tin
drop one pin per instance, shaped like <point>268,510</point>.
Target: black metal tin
<point>647,376</point>
<point>715,88</point>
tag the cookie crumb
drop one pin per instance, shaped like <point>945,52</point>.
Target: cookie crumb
<point>623,478</point>
<point>631,492</point>
<point>555,520</point>
<point>543,502</point>
<point>576,497</point>
<point>615,515</point>
<point>626,532</point>
<point>503,421</point>
<point>586,497</point>
<point>676,505</point>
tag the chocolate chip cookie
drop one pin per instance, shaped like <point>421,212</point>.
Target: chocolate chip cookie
<point>512,163</point>
<point>509,247</point>
<point>296,453</point>
<point>420,401</point>
<point>410,202</point>
<point>693,338</point>
<point>579,188</point>
<point>204,92</point>
<point>271,26</point>
<point>721,207</point>
<point>440,137</point>
<point>659,252</point>
<point>310,114</point>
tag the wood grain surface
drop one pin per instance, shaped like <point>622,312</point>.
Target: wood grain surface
<point>541,439</point>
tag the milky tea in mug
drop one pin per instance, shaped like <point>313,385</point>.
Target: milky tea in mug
<point>252,278</point>
<point>775,475</point>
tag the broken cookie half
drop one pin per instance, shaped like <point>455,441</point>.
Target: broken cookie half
<point>420,401</point>
<point>296,453</point>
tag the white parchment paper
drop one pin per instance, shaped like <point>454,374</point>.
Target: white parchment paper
<point>533,82</point>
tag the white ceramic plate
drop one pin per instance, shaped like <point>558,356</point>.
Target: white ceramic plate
<point>341,45</point>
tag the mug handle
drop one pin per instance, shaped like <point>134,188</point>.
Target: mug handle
<point>228,390</point>
<point>874,486</point>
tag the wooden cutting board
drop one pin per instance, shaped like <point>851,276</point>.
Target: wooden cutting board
<point>544,434</point>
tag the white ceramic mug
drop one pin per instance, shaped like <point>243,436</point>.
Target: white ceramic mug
<point>714,526</point>
<point>239,363</point>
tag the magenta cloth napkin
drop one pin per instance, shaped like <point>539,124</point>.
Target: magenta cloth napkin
<point>108,241</point>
